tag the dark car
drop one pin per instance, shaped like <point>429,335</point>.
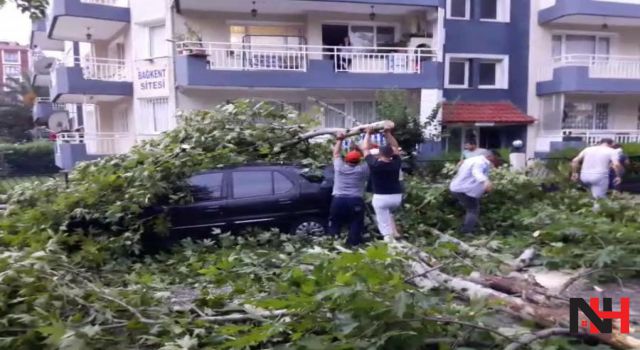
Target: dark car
<point>269,196</point>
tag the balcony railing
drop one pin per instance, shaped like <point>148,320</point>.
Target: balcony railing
<point>55,106</point>
<point>592,137</point>
<point>96,68</point>
<point>266,57</point>
<point>600,66</point>
<point>116,3</point>
<point>103,143</point>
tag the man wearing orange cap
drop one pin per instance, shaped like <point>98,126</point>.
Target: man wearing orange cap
<point>347,206</point>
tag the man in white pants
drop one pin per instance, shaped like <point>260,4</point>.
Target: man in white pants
<point>596,162</point>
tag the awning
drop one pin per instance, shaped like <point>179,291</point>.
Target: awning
<point>483,113</point>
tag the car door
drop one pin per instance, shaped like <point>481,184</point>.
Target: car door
<point>209,191</point>
<point>260,197</point>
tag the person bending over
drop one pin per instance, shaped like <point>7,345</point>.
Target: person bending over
<point>470,184</point>
<point>594,163</point>
<point>347,205</point>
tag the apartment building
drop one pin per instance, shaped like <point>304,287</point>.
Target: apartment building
<point>126,67</point>
<point>585,70</point>
<point>15,60</point>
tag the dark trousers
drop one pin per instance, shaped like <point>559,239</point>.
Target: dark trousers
<point>347,211</point>
<point>472,207</point>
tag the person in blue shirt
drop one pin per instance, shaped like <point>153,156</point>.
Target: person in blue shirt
<point>470,184</point>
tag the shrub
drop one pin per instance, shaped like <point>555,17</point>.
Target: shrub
<point>34,158</point>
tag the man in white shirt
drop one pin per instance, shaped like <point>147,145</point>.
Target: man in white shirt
<point>470,184</point>
<point>596,162</point>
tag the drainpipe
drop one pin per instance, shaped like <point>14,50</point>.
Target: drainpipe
<point>173,9</point>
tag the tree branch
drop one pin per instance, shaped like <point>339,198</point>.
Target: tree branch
<point>543,334</point>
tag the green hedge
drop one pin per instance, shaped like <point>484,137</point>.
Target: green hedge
<point>34,158</point>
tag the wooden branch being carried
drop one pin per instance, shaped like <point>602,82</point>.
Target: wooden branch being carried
<point>332,131</point>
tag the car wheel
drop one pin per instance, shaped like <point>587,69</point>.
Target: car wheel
<point>309,227</point>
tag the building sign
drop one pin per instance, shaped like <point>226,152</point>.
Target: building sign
<point>151,79</point>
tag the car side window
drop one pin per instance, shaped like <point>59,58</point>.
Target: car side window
<point>206,186</point>
<point>281,184</point>
<point>247,184</point>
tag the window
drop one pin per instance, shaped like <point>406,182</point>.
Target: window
<point>467,70</point>
<point>458,73</point>
<point>281,184</point>
<point>206,186</point>
<point>157,42</point>
<point>11,71</point>
<point>362,36</point>
<point>385,36</point>
<point>155,112</point>
<point>247,184</point>
<point>332,117</point>
<point>487,73</point>
<point>11,57</point>
<point>458,9</point>
<point>586,116</point>
<point>579,47</point>
<point>495,10</point>
<point>365,112</point>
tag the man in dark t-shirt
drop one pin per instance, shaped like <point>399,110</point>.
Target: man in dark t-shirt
<point>385,182</point>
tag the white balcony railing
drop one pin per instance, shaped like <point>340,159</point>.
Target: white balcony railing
<point>592,137</point>
<point>266,57</point>
<point>600,66</point>
<point>103,143</point>
<point>55,106</point>
<point>115,3</point>
<point>97,68</point>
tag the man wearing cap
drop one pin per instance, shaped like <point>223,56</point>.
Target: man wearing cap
<point>347,206</point>
<point>470,184</point>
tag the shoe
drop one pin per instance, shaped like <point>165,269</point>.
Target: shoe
<point>389,239</point>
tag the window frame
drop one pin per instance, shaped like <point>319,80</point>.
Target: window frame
<point>374,105</point>
<point>596,35</point>
<point>502,71</point>
<point>503,12</point>
<point>467,71</point>
<point>467,11</point>
<point>209,198</point>
<point>147,55</point>
<point>4,57</point>
<point>149,106</point>
<point>6,76</point>
<point>233,183</point>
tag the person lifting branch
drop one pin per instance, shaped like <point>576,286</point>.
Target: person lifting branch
<point>385,180</point>
<point>347,205</point>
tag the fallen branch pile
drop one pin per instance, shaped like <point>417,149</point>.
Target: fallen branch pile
<point>522,298</point>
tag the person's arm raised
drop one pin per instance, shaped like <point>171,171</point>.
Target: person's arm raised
<point>391,140</point>
<point>337,148</point>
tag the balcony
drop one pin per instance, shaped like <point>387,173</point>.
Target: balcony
<point>100,79</point>
<point>72,148</point>
<point>215,64</point>
<point>41,66</point>
<point>44,108</point>
<point>40,39</point>
<point>87,20</point>
<point>590,74</point>
<point>591,12</point>
<point>296,6</point>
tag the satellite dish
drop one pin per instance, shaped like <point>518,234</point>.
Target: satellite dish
<point>43,65</point>
<point>59,121</point>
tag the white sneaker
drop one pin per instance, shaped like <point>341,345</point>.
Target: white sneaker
<point>389,239</point>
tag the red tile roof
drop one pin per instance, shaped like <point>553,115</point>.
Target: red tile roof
<point>481,112</point>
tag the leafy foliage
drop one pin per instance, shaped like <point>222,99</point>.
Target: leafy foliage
<point>68,279</point>
<point>33,158</point>
<point>35,8</point>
